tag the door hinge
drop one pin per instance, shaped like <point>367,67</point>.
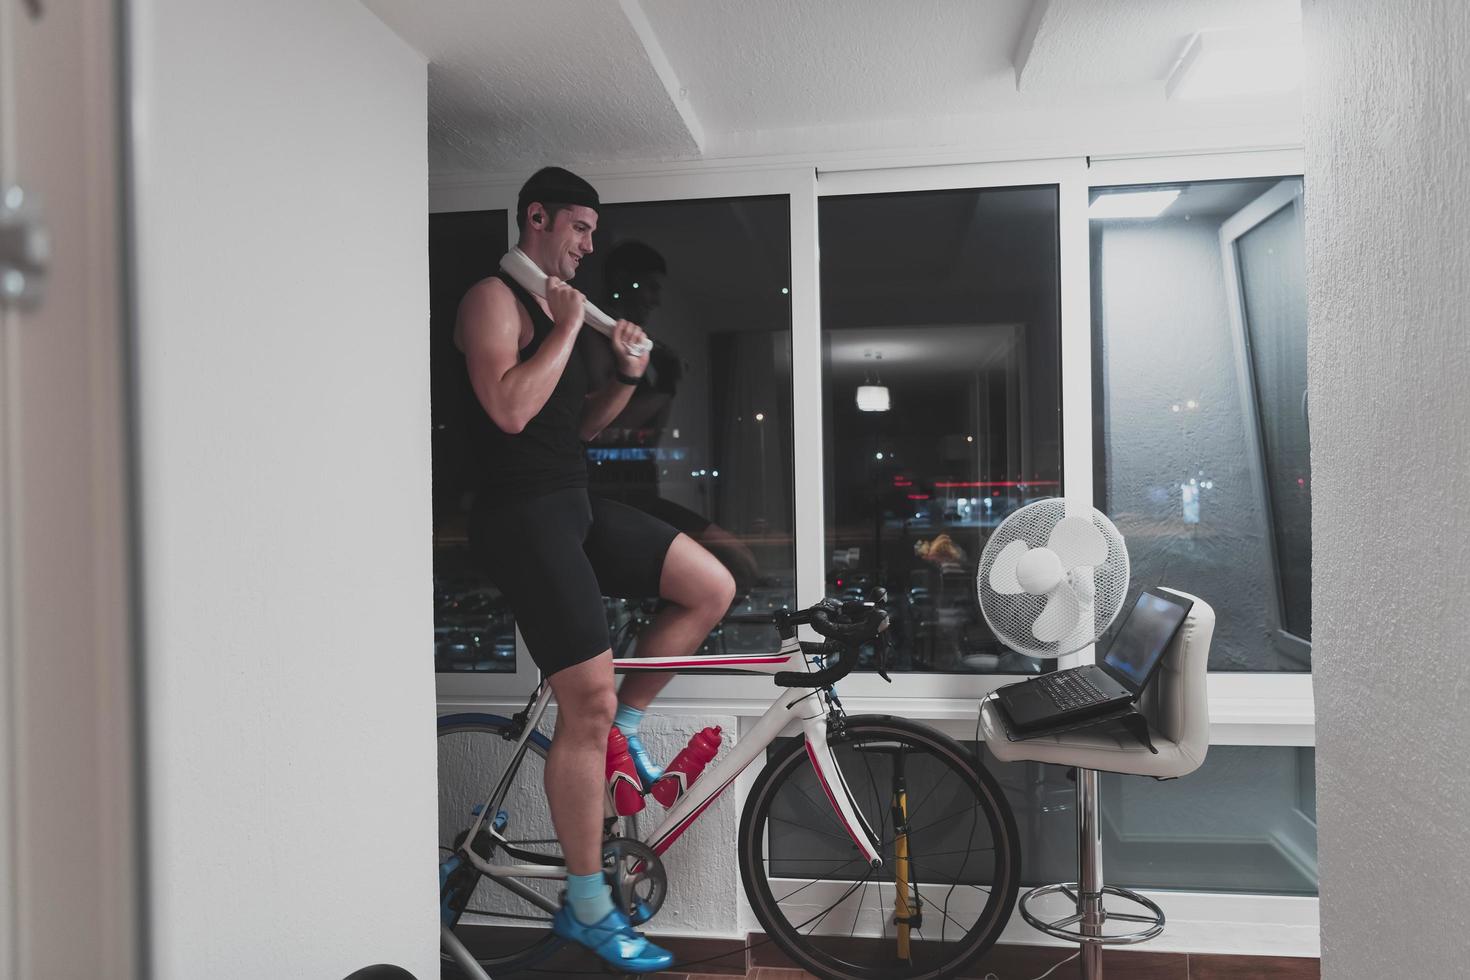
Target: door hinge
<point>25,250</point>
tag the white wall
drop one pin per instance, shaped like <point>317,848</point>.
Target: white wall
<point>1388,266</point>
<point>282,270</point>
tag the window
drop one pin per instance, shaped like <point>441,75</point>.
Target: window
<point>1199,336</point>
<point>705,443</point>
<point>1271,317</point>
<point>941,373</point>
<point>473,627</point>
<point>960,291</point>
<point>1239,823</point>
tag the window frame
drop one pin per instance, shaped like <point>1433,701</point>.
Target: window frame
<point>1257,708</point>
<point>796,185</point>
<point>1245,708</point>
<point>1068,176</point>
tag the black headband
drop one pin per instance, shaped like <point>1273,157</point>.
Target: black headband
<point>553,185</point>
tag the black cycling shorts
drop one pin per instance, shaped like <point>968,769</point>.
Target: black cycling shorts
<point>555,556</point>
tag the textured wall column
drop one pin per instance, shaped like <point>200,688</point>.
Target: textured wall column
<point>1388,257</point>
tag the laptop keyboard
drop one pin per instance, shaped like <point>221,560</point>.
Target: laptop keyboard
<point>1069,690</point>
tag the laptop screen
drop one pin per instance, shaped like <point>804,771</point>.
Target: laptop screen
<point>1151,624</point>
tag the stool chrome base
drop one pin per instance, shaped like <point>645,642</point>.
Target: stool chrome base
<point>1087,896</point>
<point>1060,928</point>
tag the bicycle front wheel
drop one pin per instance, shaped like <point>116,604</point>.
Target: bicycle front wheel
<point>950,856</point>
<point>506,925</point>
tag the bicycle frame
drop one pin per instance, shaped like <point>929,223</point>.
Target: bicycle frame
<point>811,707</point>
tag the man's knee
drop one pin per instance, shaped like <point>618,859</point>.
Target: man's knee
<point>585,698</point>
<point>722,594</point>
<point>590,711</point>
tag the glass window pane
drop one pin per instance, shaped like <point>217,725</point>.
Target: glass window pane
<point>1239,823</point>
<point>941,374</point>
<point>705,443</point>
<point>1245,821</point>
<point>1272,258</point>
<point>473,628</point>
<point>1176,468</point>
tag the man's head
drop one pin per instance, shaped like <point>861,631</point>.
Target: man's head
<point>557,213</point>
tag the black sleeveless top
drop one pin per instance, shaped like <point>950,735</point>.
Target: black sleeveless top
<point>547,454</point>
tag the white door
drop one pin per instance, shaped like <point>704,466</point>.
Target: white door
<point>69,895</point>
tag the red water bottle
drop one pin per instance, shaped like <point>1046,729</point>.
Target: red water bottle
<point>623,787</point>
<point>687,766</point>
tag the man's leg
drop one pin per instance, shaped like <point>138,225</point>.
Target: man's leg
<point>575,767</point>
<point>699,591</point>
<point>575,770</point>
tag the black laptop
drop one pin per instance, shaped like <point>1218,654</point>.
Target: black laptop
<point>1067,697</point>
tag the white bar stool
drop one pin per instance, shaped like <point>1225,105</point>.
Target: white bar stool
<point>1176,705</point>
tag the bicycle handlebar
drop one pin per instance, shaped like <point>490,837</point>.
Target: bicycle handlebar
<point>846,625</point>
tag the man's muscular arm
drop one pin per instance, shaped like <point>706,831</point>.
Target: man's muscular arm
<point>488,331</point>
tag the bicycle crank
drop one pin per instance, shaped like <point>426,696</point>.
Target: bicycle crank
<point>639,884</point>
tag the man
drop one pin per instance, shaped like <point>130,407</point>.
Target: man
<point>554,551</point>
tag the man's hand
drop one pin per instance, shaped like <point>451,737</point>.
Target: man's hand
<point>629,335</point>
<point>565,303</point>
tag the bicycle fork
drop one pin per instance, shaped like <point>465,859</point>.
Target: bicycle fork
<point>829,775</point>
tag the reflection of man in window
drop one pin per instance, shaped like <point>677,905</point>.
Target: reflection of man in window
<point>633,277</point>
<point>555,551</point>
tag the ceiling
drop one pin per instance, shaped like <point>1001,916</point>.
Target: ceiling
<point>1216,199</point>
<point>514,84</point>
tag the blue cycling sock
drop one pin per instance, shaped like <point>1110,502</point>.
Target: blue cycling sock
<point>590,898</point>
<point>628,719</point>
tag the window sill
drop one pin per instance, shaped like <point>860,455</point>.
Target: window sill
<point>1233,720</point>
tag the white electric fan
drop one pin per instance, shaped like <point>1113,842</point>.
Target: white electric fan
<point>1052,578</point>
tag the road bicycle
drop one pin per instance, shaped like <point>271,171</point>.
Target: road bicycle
<point>870,847</point>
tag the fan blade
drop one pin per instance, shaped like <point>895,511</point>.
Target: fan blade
<point>1003,579</point>
<point>1083,588</point>
<point>1077,541</point>
<point>1059,617</point>
<point>1078,637</point>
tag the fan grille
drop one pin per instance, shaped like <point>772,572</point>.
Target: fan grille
<point>1011,616</point>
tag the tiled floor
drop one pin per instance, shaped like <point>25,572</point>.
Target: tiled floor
<point>731,959</point>
<point>1137,967</point>
<point>1026,962</point>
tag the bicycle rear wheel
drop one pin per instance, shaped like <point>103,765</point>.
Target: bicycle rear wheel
<point>502,924</point>
<point>951,856</point>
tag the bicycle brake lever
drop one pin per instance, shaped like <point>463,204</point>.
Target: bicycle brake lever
<point>884,642</point>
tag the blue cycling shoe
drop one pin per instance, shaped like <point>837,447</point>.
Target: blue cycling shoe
<point>614,940</point>
<point>648,773</point>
